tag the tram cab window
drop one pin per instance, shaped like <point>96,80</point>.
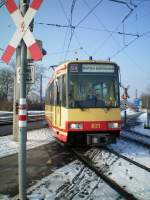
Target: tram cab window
<point>92,90</point>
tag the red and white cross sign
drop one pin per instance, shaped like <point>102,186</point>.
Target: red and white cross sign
<point>23,31</point>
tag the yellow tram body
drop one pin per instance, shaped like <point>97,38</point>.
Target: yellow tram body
<point>74,118</point>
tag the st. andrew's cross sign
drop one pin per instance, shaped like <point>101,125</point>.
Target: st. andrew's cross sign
<point>23,31</point>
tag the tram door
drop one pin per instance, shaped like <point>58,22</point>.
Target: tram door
<point>58,102</point>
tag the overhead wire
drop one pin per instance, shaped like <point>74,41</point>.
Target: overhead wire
<point>72,7</point>
<point>112,32</point>
<point>124,18</point>
<point>131,42</point>
<point>105,28</point>
<point>136,64</point>
<point>108,31</point>
<point>99,20</point>
<point>67,19</point>
<point>56,25</point>
<point>99,2</point>
<point>62,52</point>
<point>137,35</point>
<point>77,25</point>
<point>79,43</point>
<point>88,28</point>
<point>72,30</point>
<point>124,34</point>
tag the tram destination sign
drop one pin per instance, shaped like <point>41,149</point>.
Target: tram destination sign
<point>103,68</point>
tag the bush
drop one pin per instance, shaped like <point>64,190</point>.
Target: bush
<point>35,106</point>
<point>6,105</point>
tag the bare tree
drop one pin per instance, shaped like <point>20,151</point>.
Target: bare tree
<point>6,83</point>
<point>146,98</point>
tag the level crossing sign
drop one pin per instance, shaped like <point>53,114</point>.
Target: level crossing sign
<point>23,31</point>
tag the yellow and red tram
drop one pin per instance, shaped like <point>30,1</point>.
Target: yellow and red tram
<point>82,102</point>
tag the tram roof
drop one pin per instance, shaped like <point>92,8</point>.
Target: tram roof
<point>65,64</point>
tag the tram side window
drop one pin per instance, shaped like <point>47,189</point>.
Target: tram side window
<point>58,84</point>
<point>46,97</point>
<point>56,92</point>
<point>64,90</point>
<point>52,94</point>
<point>49,95</point>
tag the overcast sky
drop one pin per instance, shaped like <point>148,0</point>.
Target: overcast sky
<point>102,29</point>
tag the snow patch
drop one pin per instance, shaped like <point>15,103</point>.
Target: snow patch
<point>35,138</point>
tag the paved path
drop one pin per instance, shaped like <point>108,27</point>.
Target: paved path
<point>41,161</point>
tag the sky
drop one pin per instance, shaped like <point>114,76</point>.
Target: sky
<point>102,29</point>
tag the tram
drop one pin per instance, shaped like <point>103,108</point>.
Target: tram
<point>82,103</point>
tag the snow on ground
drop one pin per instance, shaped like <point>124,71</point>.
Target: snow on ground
<point>78,180</point>
<point>133,151</point>
<point>129,112</point>
<point>140,129</point>
<point>73,181</point>
<point>34,138</point>
<point>127,175</point>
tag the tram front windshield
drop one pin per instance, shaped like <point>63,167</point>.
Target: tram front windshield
<point>93,91</point>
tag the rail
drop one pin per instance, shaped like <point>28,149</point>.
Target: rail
<point>124,193</point>
<point>137,138</point>
<point>128,159</point>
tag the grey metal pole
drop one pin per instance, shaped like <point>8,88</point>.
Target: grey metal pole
<point>23,113</point>
<point>16,96</point>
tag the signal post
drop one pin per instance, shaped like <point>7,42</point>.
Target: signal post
<point>125,96</point>
<point>24,4</point>
<point>23,37</point>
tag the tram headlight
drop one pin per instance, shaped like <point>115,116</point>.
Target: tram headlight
<point>113,125</point>
<point>76,126</point>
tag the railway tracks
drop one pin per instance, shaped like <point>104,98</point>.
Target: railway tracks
<point>125,184</point>
<point>136,137</point>
<point>128,159</point>
<point>100,174</point>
